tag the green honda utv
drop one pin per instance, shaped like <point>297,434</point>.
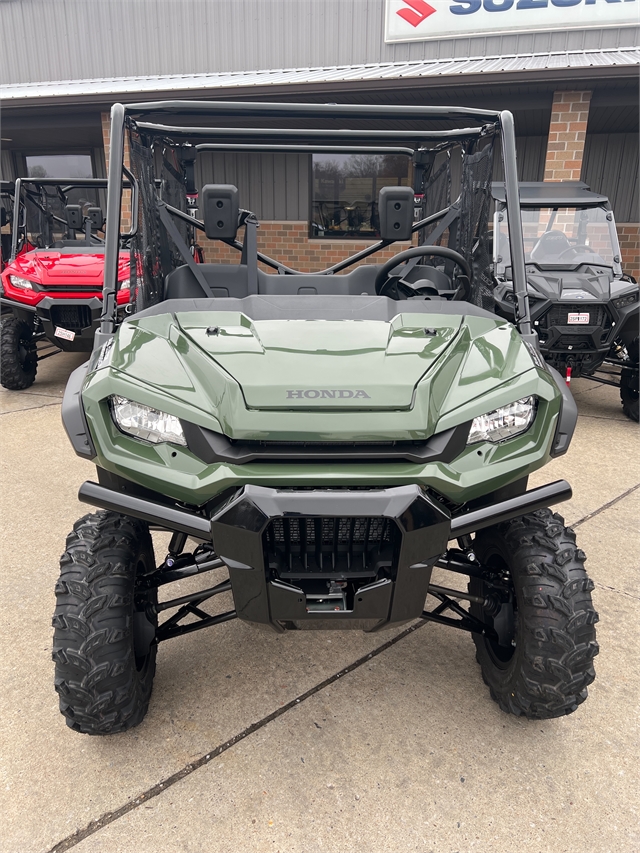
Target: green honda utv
<point>321,440</point>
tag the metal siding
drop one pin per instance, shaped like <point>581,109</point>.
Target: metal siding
<point>127,38</point>
<point>531,152</point>
<point>273,186</point>
<point>7,168</point>
<point>611,167</point>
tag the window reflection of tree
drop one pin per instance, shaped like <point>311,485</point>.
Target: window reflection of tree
<point>345,192</point>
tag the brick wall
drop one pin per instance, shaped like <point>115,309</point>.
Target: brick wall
<point>567,134</point>
<point>289,243</point>
<point>629,237</point>
<point>125,216</point>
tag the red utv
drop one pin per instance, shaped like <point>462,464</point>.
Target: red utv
<point>52,282</point>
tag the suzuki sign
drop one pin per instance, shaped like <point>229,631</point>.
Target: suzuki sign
<point>419,20</point>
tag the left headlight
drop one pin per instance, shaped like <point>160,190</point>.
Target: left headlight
<point>146,423</point>
<point>22,283</point>
<point>503,423</point>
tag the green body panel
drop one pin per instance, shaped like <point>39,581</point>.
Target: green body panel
<point>416,384</point>
<point>384,361</point>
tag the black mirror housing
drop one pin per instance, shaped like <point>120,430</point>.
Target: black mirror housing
<point>396,213</point>
<point>73,213</point>
<point>96,216</point>
<point>220,207</point>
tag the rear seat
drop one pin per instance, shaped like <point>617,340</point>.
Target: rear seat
<point>231,280</point>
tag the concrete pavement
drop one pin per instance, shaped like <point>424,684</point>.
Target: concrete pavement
<point>404,751</point>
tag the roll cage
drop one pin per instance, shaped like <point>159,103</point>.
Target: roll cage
<point>31,189</point>
<point>135,118</point>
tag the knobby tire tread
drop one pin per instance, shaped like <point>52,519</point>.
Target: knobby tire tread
<point>101,690</point>
<point>629,385</point>
<point>552,665</point>
<point>16,374</point>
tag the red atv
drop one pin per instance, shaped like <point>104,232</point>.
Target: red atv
<point>52,281</point>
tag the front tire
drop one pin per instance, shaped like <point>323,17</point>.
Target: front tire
<point>103,646</point>
<point>18,356</point>
<point>629,383</point>
<point>544,616</point>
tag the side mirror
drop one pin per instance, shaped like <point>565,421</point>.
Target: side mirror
<point>73,212</point>
<point>220,207</point>
<point>96,217</point>
<point>396,213</point>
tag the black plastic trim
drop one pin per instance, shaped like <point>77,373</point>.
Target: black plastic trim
<point>73,417</point>
<point>212,448</point>
<point>567,418</point>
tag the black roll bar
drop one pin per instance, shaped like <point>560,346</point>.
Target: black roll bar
<point>112,225</point>
<point>311,133</point>
<point>274,110</point>
<point>514,220</point>
<point>305,149</point>
<point>15,227</point>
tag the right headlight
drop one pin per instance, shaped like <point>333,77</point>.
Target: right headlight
<point>503,423</point>
<point>146,423</point>
<point>22,283</point>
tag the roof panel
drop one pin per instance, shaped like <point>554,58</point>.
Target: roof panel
<point>450,67</point>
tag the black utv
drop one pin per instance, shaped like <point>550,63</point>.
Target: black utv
<point>583,306</point>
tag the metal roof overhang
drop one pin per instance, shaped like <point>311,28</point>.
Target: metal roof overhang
<point>524,68</point>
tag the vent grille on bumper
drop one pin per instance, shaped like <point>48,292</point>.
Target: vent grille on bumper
<point>75,318</point>
<point>318,547</point>
<point>558,315</point>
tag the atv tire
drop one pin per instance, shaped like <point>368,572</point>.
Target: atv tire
<point>629,383</point>
<point>545,664</point>
<point>18,357</point>
<point>103,646</point>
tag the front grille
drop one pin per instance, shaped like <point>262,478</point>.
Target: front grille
<point>311,444</point>
<point>576,342</point>
<point>75,318</point>
<point>558,315</point>
<point>71,288</point>
<point>320,547</point>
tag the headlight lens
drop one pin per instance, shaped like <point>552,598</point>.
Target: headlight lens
<point>503,423</point>
<point>626,300</point>
<point>22,283</point>
<point>146,423</point>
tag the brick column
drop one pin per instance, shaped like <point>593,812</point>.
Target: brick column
<point>125,218</point>
<point>567,133</point>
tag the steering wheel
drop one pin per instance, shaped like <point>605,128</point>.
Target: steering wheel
<point>384,282</point>
<point>576,250</point>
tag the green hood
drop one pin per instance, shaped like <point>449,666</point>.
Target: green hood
<point>329,379</point>
<point>322,364</point>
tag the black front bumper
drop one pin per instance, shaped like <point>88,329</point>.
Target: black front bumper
<point>80,316</point>
<point>386,576</point>
<point>282,545</point>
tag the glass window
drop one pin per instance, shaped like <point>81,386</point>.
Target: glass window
<point>345,192</point>
<point>59,166</point>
